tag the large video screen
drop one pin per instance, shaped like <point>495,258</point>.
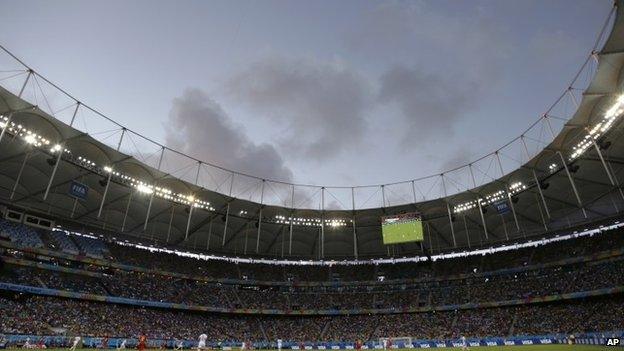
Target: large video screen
<point>401,228</point>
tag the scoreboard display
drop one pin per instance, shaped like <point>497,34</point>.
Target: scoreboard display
<point>401,228</point>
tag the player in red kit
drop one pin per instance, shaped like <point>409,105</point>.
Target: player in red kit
<point>142,342</point>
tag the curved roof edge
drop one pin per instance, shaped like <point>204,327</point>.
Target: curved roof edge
<point>303,196</point>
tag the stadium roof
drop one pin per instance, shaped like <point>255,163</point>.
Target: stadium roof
<point>142,188</point>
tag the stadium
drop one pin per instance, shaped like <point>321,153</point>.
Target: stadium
<point>110,239</point>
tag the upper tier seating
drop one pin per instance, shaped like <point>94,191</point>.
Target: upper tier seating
<point>64,241</point>
<point>90,246</point>
<point>19,234</point>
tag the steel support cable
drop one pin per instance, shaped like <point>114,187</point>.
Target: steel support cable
<point>598,40</point>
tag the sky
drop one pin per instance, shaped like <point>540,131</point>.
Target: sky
<point>317,92</point>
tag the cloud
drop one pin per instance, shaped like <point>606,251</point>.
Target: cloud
<point>430,103</point>
<point>321,105</point>
<point>198,126</point>
<point>443,41</point>
<point>460,157</point>
<point>551,46</point>
<point>444,63</point>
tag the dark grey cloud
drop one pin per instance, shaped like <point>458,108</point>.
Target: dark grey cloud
<point>320,105</point>
<point>430,103</point>
<point>445,63</point>
<point>459,157</point>
<point>468,41</point>
<point>198,126</point>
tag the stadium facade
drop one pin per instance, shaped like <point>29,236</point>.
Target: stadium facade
<point>103,228</point>
<point>560,172</point>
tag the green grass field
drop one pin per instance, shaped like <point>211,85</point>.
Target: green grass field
<point>530,348</point>
<point>402,232</point>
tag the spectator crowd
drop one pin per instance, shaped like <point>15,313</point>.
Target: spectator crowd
<point>480,288</point>
<point>516,275</point>
<point>37,315</point>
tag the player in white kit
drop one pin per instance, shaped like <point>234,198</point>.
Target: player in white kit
<point>75,343</point>
<point>27,344</point>
<point>180,345</point>
<point>279,344</point>
<point>464,343</point>
<point>123,345</point>
<point>385,344</point>
<point>202,342</point>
